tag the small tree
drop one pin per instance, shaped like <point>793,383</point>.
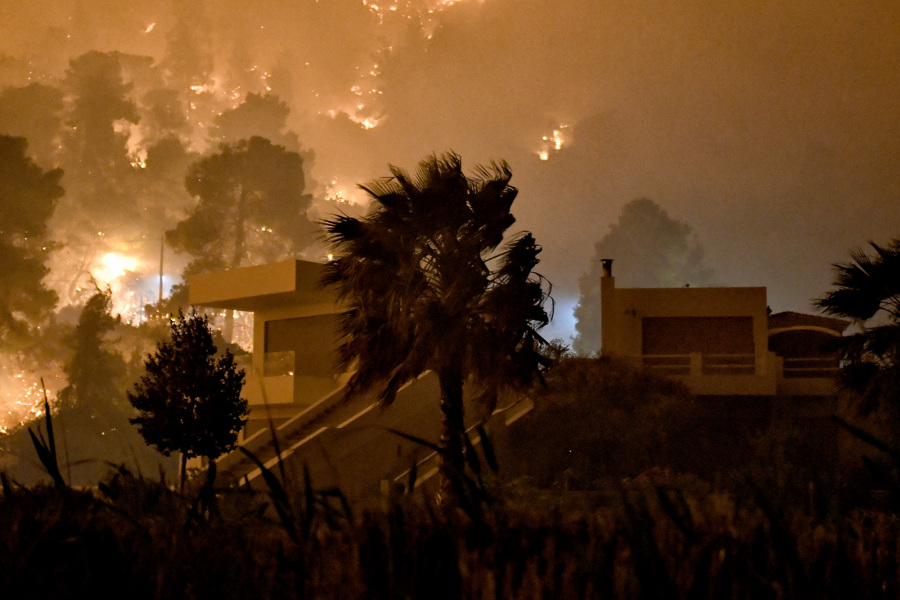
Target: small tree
<point>190,396</point>
<point>94,372</point>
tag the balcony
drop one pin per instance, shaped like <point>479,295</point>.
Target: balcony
<point>718,374</point>
<point>746,374</point>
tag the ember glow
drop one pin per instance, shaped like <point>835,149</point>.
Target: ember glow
<point>21,395</point>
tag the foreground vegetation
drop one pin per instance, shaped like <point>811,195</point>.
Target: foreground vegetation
<point>604,514</point>
<point>649,538</point>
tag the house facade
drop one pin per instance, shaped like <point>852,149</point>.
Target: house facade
<point>765,383</point>
<point>720,341</point>
<point>292,365</point>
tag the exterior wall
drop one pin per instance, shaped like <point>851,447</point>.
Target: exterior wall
<point>295,367</point>
<point>293,383</point>
<point>627,307</point>
<point>715,339</point>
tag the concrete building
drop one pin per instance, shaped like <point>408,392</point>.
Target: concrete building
<point>298,410</point>
<point>721,341</point>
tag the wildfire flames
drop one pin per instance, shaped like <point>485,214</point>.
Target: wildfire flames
<point>554,142</point>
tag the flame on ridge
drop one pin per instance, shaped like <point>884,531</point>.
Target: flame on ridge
<point>554,142</point>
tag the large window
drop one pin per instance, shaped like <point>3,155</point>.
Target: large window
<point>300,346</point>
<point>706,335</point>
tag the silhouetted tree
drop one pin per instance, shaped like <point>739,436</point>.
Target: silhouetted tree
<point>164,114</point>
<point>424,290</point>
<point>101,98</point>
<point>189,398</point>
<point>650,249</point>
<point>28,195</point>
<point>99,176</point>
<point>188,58</point>
<point>95,373</point>
<point>867,290</point>
<point>251,207</point>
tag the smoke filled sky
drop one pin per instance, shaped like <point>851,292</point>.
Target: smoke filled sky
<point>771,127</point>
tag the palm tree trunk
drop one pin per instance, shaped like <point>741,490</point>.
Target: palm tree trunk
<point>452,430</point>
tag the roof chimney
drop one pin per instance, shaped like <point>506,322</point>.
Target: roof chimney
<point>606,267</point>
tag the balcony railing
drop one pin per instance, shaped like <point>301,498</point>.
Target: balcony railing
<point>701,364</point>
<point>668,364</point>
<point>727,364</point>
<point>714,374</point>
<point>810,367</point>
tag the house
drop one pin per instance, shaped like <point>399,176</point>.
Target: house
<point>299,414</point>
<point>721,341</point>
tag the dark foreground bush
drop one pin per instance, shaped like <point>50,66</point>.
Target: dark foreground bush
<point>134,538</point>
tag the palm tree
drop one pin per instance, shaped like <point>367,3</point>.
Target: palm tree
<point>867,290</point>
<point>424,290</point>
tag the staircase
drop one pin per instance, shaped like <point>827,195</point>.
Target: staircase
<point>348,443</point>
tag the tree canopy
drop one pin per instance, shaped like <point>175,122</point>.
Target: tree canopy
<point>258,115</point>
<point>28,196</point>
<point>101,98</point>
<point>251,207</point>
<point>651,249</point>
<point>426,289</point>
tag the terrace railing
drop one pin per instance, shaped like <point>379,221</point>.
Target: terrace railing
<point>746,373</point>
<point>818,367</point>
<point>698,364</point>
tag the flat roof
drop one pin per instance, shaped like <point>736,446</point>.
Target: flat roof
<point>262,287</point>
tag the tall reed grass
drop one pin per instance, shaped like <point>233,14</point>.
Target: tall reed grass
<point>134,537</point>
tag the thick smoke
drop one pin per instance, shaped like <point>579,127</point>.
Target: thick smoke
<point>769,128</point>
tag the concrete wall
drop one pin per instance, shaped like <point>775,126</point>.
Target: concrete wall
<point>293,362</point>
<point>714,339</point>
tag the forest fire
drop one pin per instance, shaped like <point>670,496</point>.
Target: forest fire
<point>403,419</point>
<point>21,398</point>
<point>127,103</point>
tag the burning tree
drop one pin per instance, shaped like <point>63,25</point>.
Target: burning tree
<point>189,398</point>
<point>425,291</point>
